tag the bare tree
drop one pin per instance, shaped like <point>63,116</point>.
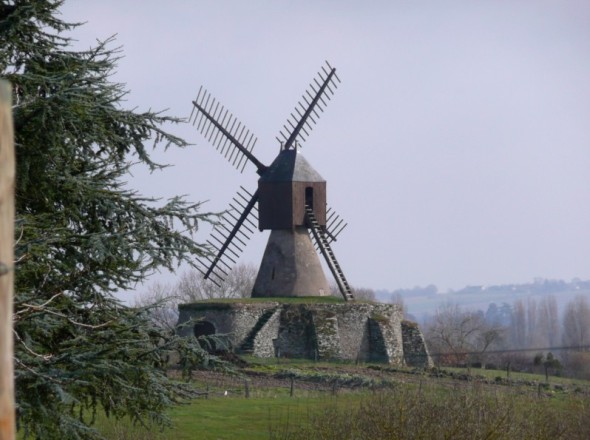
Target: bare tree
<point>548,322</point>
<point>360,293</point>
<point>397,298</point>
<point>364,293</point>
<point>238,284</point>
<point>576,324</point>
<point>160,302</point>
<point>457,335</point>
<point>518,325</point>
<point>535,323</point>
<point>191,286</point>
<point>531,323</point>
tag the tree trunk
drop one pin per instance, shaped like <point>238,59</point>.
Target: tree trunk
<point>7,170</point>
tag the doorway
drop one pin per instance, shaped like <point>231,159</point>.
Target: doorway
<point>205,328</point>
<point>309,197</point>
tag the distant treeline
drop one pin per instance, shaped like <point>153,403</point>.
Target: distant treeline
<point>539,286</point>
<point>528,333</point>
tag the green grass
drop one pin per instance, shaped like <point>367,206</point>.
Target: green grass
<point>469,411</point>
<point>519,376</point>
<point>273,363</point>
<point>282,300</point>
<point>228,418</point>
<point>270,413</point>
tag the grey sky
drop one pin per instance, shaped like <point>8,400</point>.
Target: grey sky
<point>457,146</point>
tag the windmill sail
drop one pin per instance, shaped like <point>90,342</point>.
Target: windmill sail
<point>280,195</point>
<point>230,236</point>
<point>334,226</point>
<point>222,129</point>
<point>315,98</point>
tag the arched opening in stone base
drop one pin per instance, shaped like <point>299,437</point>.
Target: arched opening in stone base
<point>205,328</point>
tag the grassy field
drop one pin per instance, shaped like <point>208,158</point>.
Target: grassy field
<point>230,418</point>
<point>475,405</point>
<point>282,300</point>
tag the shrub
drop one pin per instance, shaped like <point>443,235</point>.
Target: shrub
<point>473,413</point>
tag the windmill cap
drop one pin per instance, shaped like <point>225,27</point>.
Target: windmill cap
<point>290,166</point>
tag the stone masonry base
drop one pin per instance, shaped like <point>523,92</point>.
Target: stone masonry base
<point>364,332</point>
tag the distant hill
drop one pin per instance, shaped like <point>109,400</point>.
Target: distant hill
<point>423,301</point>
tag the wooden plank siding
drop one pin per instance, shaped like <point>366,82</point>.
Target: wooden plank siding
<point>281,205</point>
<point>319,202</point>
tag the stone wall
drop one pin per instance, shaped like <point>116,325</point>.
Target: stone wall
<point>237,321</point>
<point>415,349</point>
<point>352,331</point>
<point>265,341</point>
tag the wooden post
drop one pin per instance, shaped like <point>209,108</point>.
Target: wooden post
<point>7,172</point>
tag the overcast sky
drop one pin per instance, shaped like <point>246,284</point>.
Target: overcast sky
<point>457,146</point>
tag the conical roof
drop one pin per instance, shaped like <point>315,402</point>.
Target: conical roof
<point>290,166</point>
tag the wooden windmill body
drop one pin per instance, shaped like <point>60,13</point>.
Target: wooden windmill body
<point>290,199</point>
<point>290,266</point>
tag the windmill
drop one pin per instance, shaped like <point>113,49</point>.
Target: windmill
<point>291,199</point>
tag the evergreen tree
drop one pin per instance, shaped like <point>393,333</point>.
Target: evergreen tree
<point>81,235</point>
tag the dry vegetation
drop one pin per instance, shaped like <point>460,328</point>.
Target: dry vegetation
<point>295,399</point>
<point>474,412</point>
